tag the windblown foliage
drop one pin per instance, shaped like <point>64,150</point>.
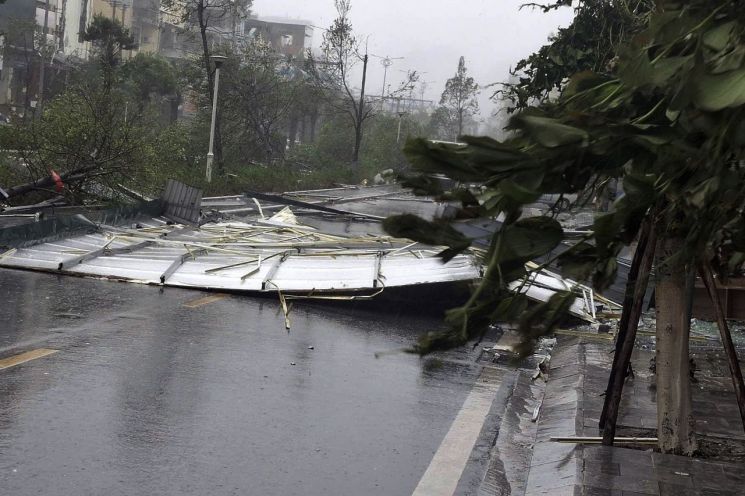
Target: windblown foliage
<point>589,43</point>
<point>670,121</point>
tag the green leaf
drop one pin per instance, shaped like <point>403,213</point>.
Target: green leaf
<point>719,36</point>
<point>441,158</point>
<point>730,61</point>
<point>422,184</point>
<point>582,81</point>
<point>704,192</point>
<point>543,318</point>
<point>549,132</point>
<point>432,233</point>
<point>530,238</point>
<point>579,261</point>
<point>719,91</point>
<point>641,72</point>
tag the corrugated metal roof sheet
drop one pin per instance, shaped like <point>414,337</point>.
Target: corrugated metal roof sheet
<point>244,256</point>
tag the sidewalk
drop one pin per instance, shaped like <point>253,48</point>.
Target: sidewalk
<point>572,405</point>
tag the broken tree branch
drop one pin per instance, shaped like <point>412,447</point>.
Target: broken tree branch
<point>48,181</point>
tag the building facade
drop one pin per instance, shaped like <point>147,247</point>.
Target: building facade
<point>170,33</point>
<point>290,37</point>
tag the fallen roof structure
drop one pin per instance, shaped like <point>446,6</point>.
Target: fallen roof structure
<point>330,247</point>
<point>240,256</point>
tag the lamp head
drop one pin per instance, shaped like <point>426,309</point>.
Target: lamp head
<point>218,60</point>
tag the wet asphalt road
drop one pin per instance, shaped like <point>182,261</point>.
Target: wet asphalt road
<point>148,396</point>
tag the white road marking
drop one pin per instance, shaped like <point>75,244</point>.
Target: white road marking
<point>446,467</point>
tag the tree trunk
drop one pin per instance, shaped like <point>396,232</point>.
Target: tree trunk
<point>313,123</point>
<point>357,144</point>
<point>292,130</point>
<point>47,182</point>
<point>360,119</point>
<point>303,128</point>
<point>674,416</point>
<point>175,102</point>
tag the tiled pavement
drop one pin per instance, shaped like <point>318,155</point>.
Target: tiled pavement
<point>571,407</point>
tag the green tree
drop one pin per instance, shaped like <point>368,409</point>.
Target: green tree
<point>460,97</point>
<point>589,43</point>
<point>109,39</point>
<point>260,94</point>
<point>149,76</point>
<point>669,122</point>
<point>215,22</point>
<point>91,149</point>
<point>93,134</point>
<point>341,53</point>
<point>383,147</point>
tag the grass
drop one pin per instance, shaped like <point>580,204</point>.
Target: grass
<point>265,178</point>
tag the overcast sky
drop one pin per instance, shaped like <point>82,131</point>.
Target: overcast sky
<point>432,34</point>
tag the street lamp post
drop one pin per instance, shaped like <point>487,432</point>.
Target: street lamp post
<point>218,60</point>
<point>398,135</point>
<point>40,100</point>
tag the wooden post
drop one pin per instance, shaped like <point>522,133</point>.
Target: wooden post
<point>623,324</point>
<point>729,348</point>
<point>624,351</point>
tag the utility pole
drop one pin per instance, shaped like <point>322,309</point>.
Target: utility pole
<point>364,78</point>
<point>386,62</point>
<point>360,114</point>
<point>40,102</point>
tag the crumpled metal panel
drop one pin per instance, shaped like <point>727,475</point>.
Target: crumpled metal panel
<point>244,257</point>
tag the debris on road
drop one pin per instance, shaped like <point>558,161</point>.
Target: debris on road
<point>280,255</point>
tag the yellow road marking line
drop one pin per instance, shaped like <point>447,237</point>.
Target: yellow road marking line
<point>205,301</point>
<point>25,357</point>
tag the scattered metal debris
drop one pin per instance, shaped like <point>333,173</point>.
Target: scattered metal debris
<point>279,254</point>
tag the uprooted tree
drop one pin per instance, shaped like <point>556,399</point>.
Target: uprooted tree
<point>669,120</point>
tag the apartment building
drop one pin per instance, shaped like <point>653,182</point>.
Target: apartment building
<point>291,37</point>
